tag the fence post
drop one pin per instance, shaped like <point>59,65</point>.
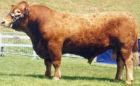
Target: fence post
<point>35,55</point>
<point>1,48</point>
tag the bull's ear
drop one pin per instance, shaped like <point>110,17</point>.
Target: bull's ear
<point>24,4</point>
<point>12,5</point>
<point>26,11</point>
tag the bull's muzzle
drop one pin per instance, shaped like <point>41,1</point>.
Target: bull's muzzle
<point>6,23</point>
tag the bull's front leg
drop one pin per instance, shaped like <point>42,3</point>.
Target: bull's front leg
<point>55,51</point>
<point>48,64</point>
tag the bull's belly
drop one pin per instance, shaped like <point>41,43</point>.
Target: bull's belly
<point>86,52</point>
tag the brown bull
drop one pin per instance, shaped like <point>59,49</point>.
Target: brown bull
<point>54,33</point>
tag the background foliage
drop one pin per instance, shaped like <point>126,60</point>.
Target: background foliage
<point>80,6</point>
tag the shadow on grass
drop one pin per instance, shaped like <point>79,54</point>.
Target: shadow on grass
<point>26,75</point>
<point>85,78</point>
<point>90,78</point>
<point>63,77</point>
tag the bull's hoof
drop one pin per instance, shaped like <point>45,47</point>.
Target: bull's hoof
<point>56,78</point>
<point>116,80</point>
<point>47,75</point>
<point>128,82</point>
<point>89,62</point>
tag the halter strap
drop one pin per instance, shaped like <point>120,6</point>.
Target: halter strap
<point>14,17</point>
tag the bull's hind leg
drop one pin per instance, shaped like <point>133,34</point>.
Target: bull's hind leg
<point>57,74</point>
<point>48,68</point>
<point>128,60</point>
<point>114,54</point>
<point>129,69</point>
<point>120,67</point>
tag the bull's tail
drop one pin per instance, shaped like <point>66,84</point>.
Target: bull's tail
<point>114,54</point>
<point>135,53</point>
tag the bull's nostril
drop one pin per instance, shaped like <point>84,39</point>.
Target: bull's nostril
<point>3,22</point>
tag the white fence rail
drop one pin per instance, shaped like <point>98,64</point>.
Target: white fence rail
<point>18,44</point>
<point>8,43</point>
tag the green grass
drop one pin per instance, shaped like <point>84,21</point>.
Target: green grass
<point>22,71</point>
<point>80,6</point>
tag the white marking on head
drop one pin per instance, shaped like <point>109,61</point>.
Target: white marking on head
<point>17,12</point>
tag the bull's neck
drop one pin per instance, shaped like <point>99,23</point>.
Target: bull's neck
<point>33,24</point>
<point>33,32</point>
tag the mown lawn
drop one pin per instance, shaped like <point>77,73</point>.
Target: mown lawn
<point>22,71</point>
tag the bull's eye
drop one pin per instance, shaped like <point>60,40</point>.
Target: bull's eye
<point>18,11</point>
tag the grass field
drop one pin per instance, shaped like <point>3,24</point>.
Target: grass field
<point>22,71</point>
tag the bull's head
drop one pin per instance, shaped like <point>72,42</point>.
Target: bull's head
<point>16,17</point>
